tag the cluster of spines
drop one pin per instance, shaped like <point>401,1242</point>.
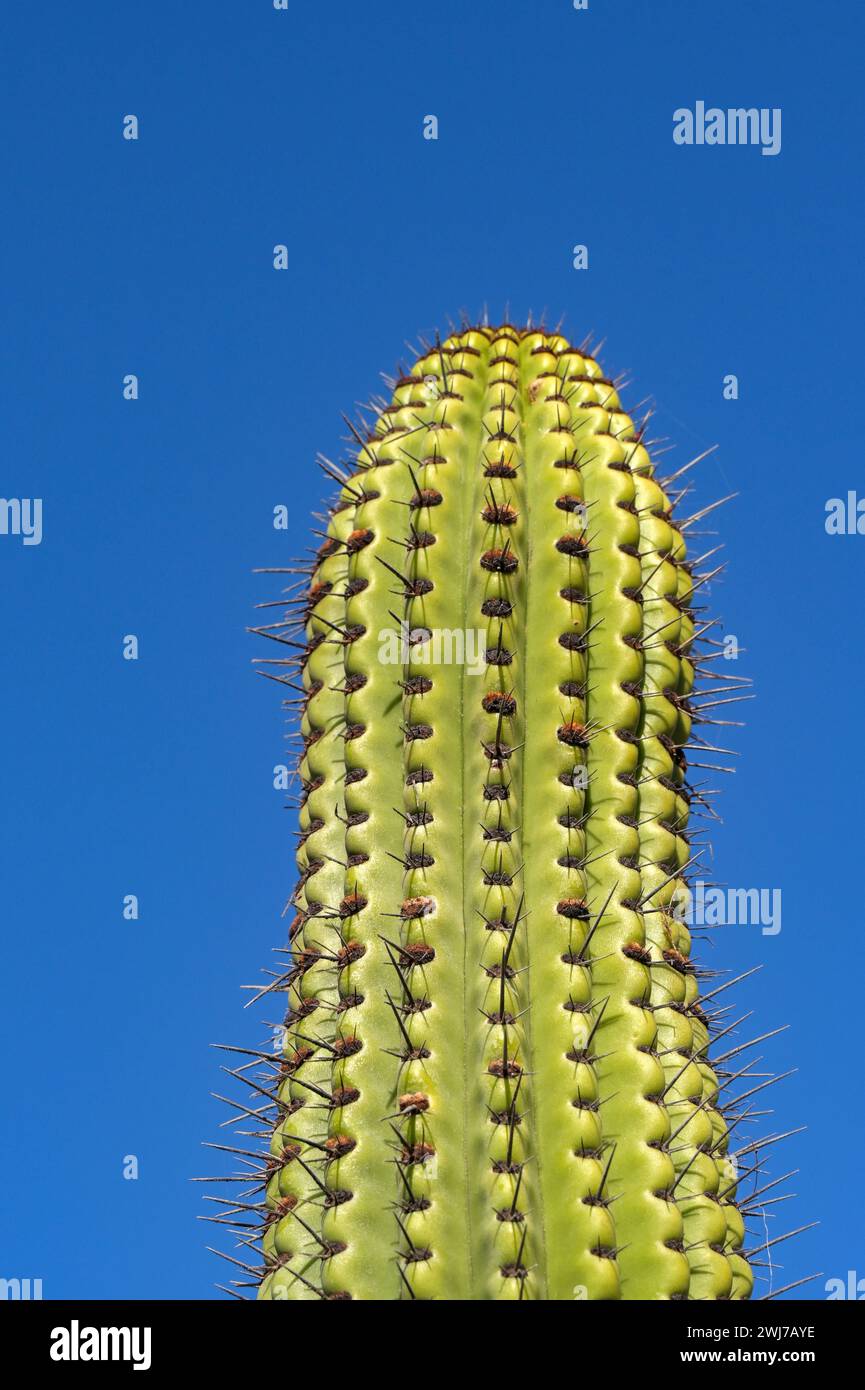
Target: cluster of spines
<point>313,1177</point>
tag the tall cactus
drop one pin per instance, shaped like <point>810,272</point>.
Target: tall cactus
<point>494,1082</point>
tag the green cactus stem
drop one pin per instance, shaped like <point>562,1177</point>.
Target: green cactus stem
<point>495,1081</point>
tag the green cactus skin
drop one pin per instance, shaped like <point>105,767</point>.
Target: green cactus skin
<point>495,1081</point>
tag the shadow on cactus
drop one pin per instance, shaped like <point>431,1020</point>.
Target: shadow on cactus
<point>494,1080</point>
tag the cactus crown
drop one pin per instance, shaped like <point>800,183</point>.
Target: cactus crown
<point>494,1082</point>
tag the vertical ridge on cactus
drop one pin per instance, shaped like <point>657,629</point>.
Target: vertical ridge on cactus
<point>495,1081</point>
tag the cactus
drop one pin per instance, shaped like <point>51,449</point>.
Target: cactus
<point>494,1081</point>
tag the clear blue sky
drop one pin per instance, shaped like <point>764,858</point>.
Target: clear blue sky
<point>155,257</point>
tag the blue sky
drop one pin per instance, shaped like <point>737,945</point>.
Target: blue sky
<point>154,257</point>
